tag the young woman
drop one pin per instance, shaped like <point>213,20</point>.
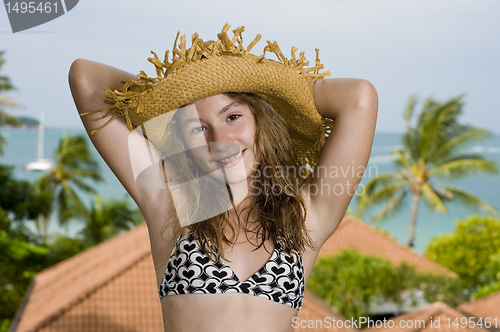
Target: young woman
<point>229,165</point>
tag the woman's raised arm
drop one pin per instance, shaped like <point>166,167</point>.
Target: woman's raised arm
<point>89,81</point>
<point>353,104</point>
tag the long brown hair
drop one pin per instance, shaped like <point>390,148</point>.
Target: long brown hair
<point>278,209</point>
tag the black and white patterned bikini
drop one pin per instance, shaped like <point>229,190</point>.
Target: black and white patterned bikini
<point>190,271</point>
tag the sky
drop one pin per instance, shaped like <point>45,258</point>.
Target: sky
<point>436,49</point>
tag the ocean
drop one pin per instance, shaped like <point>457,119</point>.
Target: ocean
<point>21,149</point>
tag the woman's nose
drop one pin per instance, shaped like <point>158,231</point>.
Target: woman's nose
<point>219,139</point>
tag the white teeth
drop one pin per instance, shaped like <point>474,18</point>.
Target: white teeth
<point>228,160</point>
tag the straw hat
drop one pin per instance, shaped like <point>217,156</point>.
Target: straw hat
<point>219,66</point>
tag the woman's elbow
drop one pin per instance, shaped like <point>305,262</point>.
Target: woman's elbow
<point>76,69</point>
<point>366,96</point>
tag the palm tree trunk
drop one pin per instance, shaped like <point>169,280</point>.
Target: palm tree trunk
<point>45,226</point>
<point>46,219</point>
<point>414,214</point>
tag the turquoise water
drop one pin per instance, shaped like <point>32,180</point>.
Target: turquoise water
<point>21,148</point>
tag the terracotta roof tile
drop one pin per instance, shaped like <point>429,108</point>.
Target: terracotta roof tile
<point>486,307</point>
<point>61,286</point>
<point>420,321</point>
<point>356,235</point>
<point>128,302</point>
<point>314,309</point>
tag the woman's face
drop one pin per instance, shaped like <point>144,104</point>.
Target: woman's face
<point>220,133</point>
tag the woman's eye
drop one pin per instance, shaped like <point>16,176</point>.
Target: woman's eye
<point>196,130</point>
<point>233,117</point>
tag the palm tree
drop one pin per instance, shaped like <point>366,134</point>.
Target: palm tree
<point>431,150</point>
<point>105,220</point>
<point>73,166</point>
<point>6,85</point>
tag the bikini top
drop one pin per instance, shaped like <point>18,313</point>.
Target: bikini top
<point>190,271</point>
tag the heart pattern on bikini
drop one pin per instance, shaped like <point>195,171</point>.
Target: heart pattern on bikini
<point>189,270</point>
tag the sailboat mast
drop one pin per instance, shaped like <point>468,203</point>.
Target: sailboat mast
<point>40,136</point>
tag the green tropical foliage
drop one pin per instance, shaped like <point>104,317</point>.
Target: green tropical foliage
<point>432,149</point>
<point>19,198</point>
<point>74,166</point>
<point>107,219</point>
<point>470,251</point>
<point>491,273</point>
<point>350,282</point>
<point>5,84</point>
<point>62,247</point>
<point>21,255</point>
<point>486,290</point>
<point>490,278</point>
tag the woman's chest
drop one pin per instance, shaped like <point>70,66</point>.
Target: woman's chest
<point>279,279</point>
<point>245,259</point>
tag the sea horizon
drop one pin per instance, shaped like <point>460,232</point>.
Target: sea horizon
<point>21,148</point>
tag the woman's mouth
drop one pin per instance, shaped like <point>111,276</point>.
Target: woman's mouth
<point>232,160</point>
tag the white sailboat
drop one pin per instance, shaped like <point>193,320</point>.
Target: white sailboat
<point>41,164</point>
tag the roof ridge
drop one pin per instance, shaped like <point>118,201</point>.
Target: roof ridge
<point>353,219</point>
<point>479,304</point>
<point>484,298</point>
<point>91,249</point>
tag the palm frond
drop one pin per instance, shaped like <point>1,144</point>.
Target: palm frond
<point>45,182</point>
<point>68,203</point>
<point>432,198</point>
<point>107,219</point>
<point>5,84</point>
<point>410,142</point>
<point>9,102</point>
<point>410,106</point>
<point>83,186</point>
<point>387,191</point>
<point>401,160</point>
<point>73,152</point>
<point>470,200</point>
<point>390,209</point>
<point>85,173</point>
<point>459,167</point>
<point>364,200</point>
<point>379,195</point>
<point>438,123</point>
<point>459,141</point>
<point>2,143</point>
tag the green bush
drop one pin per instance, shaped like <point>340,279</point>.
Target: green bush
<point>487,290</point>
<point>490,278</point>
<point>349,282</point>
<point>62,247</point>
<point>468,250</point>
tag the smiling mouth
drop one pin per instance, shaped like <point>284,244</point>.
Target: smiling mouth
<point>230,159</point>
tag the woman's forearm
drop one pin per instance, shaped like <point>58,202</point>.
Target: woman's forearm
<point>89,80</point>
<point>335,96</point>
